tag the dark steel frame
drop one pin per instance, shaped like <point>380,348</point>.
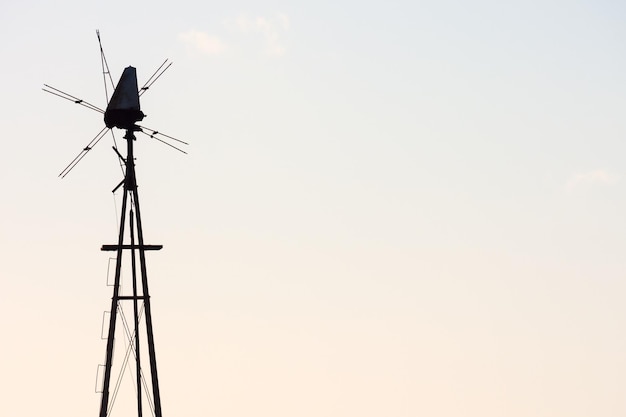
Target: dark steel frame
<point>135,226</point>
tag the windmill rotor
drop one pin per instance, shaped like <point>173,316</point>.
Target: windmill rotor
<point>123,109</point>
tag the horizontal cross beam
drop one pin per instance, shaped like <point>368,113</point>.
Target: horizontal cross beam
<point>144,247</point>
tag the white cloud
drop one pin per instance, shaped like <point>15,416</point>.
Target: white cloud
<point>597,177</point>
<point>203,42</point>
<point>269,30</point>
<point>264,33</point>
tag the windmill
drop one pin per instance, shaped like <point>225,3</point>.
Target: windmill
<point>123,111</point>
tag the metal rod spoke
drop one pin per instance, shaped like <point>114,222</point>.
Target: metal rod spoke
<point>145,86</point>
<point>82,153</point>
<point>69,97</point>
<point>121,160</point>
<point>166,143</point>
<point>153,79</point>
<point>105,68</point>
<point>156,132</point>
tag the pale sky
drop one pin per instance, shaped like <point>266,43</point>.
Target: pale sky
<point>408,208</point>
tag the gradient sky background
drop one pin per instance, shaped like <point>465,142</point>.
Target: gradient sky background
<point>408,208</point>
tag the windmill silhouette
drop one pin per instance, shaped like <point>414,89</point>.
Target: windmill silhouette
<point>123,111</point>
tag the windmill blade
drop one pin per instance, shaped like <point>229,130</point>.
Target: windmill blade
<point>82,153</point>
<point>56,92</point>
<point>157,74</point>
<point>105,68</point>
<point>152,136</point>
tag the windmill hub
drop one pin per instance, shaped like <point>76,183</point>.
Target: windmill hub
<point>123,110</point>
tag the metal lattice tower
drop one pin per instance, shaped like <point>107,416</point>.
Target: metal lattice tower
<point>140,292</point>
